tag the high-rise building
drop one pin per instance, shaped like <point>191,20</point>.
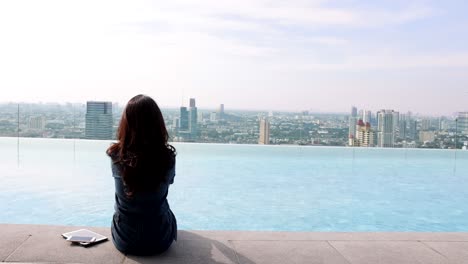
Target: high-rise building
<point>360,114</point>
<point>364,135</point>
<point>221,111</point>
<point>213,116</point>
<point>192,102</point>
<point>413,129</point>
<point>440,123</point>
<point>353,119</point>
<point>264,138</point>
<point>193,119</point>
<point>445,125</point>
<point>386,129</point>
<point>201,117</point>
<point>188,122</point>
<point>354,111</point>
<point>37,122</point>
<point>396,122</point>
<point>425,125</point>
<point>402,127</point>
<point>98,120</point>
<point>366,117</point>
<point>184,119</point>
<point>463,122</point>
<point>175,124</point>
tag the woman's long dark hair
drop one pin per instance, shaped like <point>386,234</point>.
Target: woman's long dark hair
<point>142,152</point>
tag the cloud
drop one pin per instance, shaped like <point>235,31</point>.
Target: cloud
<point>325,40</point>
<point>211,44</point>
<point>382,17</point>
<point>385,61</point>
<point>300,13</point>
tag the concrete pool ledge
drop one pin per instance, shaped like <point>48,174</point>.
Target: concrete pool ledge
<point>43,244</point>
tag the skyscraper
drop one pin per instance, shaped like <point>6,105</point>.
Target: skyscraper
<point>193,119</point>
<point>264,138</point>
<point>184,119</point>
<point>396,122</point>
<point>192,102</point>
<point>188,122</point>
<point>364,135</point>
<point>98,120</point>
<point>221,111</point>
<point>463,122</point>
<point>425,124</point>
<point>360,114</point>
<point>352,125</point>
<point>354,111</point>
<point>402,130</point>
<point>440,123</point>
<point>366,117</point>
<point>413,129</point>
<point>386,129</point>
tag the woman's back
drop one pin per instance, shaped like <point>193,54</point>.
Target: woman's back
<point>143,224</point>
<point>143,167</point>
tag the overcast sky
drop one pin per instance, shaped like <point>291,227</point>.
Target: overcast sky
<point>272,55</point>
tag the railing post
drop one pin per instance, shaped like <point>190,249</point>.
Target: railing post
<point>456,147</point>
<point>17,137</point>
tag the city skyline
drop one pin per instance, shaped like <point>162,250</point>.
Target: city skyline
<point>387,128</point>
<point>318,56</point>
<point>216,106</point>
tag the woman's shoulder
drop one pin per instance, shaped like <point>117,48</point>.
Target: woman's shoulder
<point>115,166</point>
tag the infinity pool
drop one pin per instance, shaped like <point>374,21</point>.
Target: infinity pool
<point>246,187</point>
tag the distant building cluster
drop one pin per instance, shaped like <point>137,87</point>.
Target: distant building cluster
<point>385,128</point>
<point>389,128</point>
<point>360,132</point>
<point>186,125</point>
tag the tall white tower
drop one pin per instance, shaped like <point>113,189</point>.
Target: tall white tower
<point>264,138</point>
<point>386,128</point>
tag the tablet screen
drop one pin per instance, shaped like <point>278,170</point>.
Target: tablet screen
<point>81,239</point>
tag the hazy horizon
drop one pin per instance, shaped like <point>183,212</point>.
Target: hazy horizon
<point>227,110</point>
<point>322,56</point>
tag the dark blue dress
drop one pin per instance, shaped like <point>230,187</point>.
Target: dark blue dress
<point>143,224</point>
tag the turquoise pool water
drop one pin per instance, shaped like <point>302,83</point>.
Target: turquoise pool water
<point>244,187</point>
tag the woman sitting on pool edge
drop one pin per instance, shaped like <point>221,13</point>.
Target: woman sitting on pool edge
<point>143,167</point>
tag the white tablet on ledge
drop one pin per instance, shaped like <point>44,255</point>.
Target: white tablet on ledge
<point>84,237</point>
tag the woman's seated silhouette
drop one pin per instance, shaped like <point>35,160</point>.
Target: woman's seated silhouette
<point>143,167</point>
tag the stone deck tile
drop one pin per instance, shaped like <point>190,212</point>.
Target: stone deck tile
<point>201,250</point>
<point>388,252</point>
<point>43,244</point>
<point>11,237</point>
<point>290,252</point>
<point>47,245</point>
<point>327,236</point>
<point>456,252</point>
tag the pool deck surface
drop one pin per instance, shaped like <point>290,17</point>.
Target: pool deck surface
<point>44,244</point>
